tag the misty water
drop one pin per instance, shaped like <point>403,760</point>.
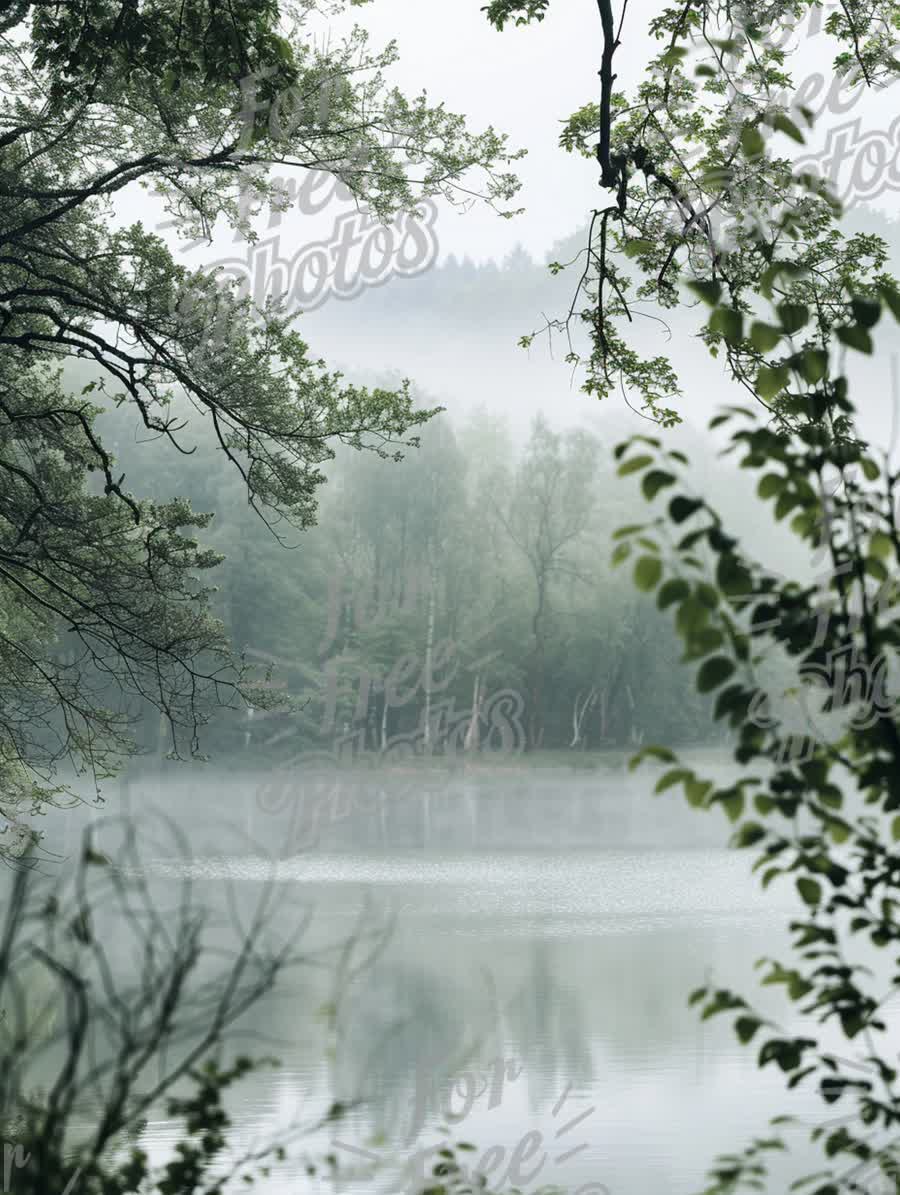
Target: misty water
<point>513,949</point>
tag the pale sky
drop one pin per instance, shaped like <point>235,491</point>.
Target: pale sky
<point>525,82</point>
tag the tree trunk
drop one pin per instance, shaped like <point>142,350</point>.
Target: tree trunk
<point>429,646</point>
<point>631,726</point>
<point>575,720</point>
<point>370,732</point>
<point>382,815</point>
<point>472,739</point>
<point>578,715</point>
<point>535,718</point>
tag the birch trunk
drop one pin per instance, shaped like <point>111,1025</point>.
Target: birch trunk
<point>429,646</point>
<point>578,715</point>
<point>472,738</point>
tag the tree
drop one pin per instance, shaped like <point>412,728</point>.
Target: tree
<point>382,637</point>
<point>550,506</point>
<point>99,589</point>
<point>788,295</point>
<point>824,802</point>
<point>689,187</point>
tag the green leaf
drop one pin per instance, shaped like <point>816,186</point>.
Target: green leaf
<point>654,481</point>
<point>691,616</point>
<point>674,55</point>
<point>732,577</point>
<point>809,889</point>
<point>708,594</point>
<point>647,572</point>
<point>749,834</point>
<point>869,468</point>
<point>793,316</point>
<point>874,568</point>
<point>839,831</point>
<point>716,177</point>
<point>728,323</point>
<point>814,365</point>
<point>733,699</point>
<point>713,673</point>
<point>866,312</point>
<point>651,752</point>
<point>798,987</point>
<point>703,641</point>
<point>770,485</point>
<point>674,590</point>
<point>696,791</point>
<point>733,805</point>
<point>892,298</point>
<point>785,504</point>
<point>751,142</point>
<point>771,381</point>
<point>763,336</point>
<point>681,508</point>
<point>746,1027</point>
<point>709,292</point>
<point>784,125</point>
<point>855,337</point>
<point>635,463</point>
<point>767,279</point>
<point>636,247</point>
<point>881,546</point>
<point>670,778</point>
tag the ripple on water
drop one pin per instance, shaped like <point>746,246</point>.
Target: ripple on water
<point>613,891</point>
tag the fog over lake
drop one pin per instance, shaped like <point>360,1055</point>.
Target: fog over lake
<point>514,949</point>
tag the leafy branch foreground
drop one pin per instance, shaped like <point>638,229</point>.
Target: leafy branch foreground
<point>822,809</point>
<point>103,613</point>
<point>698,202</point>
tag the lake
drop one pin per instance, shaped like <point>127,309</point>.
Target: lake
<point>513,963</point>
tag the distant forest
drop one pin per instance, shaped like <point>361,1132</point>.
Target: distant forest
<point>477,566</point>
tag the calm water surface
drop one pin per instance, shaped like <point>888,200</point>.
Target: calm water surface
<point>565,976</point>
<point>538,989</point>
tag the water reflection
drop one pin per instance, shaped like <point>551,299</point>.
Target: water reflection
<point>438,978</point>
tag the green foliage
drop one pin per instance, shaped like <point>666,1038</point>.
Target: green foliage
<point>520,12</point>
<point>696,196</point>
<point>696,201</point>
<point>838,852</point>
<point>102,610</point>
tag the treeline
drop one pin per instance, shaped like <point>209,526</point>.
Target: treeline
<point>461,598</point>
<point>486,294</point>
